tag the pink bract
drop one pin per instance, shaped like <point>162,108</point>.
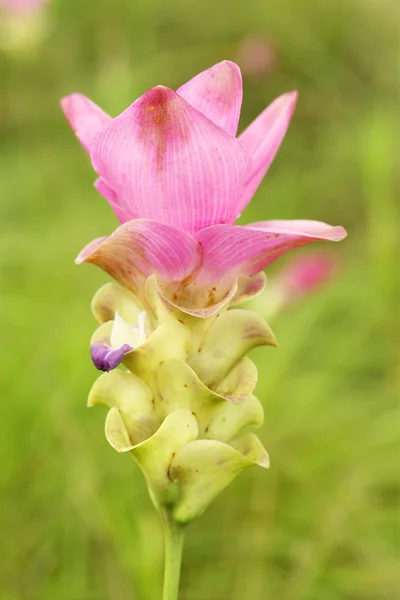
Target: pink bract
<point>177,178</point>
<point>172,156</point>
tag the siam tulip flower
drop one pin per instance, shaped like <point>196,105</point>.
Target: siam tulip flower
<point>177,178</point>
<point>184,405</point>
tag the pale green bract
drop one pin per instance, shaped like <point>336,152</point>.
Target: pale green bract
<point>183,403</point>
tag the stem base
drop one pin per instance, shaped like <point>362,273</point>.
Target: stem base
<point>174,536</point>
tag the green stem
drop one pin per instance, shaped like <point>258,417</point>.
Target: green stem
<point>174,536</point>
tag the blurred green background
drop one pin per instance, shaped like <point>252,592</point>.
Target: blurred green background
<point>324,522</point>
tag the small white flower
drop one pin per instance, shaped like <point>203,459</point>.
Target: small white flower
<point>126,333</point>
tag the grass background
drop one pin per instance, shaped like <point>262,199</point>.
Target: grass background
<point>323,523</point>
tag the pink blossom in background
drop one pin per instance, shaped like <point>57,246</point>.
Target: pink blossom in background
<point>22,6</point>
<point>256,55</point>
<point>300,277</point>
<point>177,178</point>
<point>24,24</point>
<point>304,274</point>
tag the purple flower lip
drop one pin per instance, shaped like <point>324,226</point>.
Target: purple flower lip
<point>105,358</point>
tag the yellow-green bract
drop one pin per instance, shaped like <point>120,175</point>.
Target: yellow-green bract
<point>183,403</point>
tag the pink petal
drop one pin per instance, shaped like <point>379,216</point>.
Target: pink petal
<point>262,139</point>
<point>89,248</point>
<point>229,250</point>
<point>318,229</point>
<point>105,190</point>
<point>85,118</point>
<point>168,162</point>
<point>249,287</point>
<point>217,93</point>
<point>142,247</point>
<point>112,200</point>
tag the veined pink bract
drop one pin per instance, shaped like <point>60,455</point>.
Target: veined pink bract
<point>177,178</point>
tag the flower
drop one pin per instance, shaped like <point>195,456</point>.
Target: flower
<point>304,274</point>
<point>184,403</point>
<point>256,55</point>
<point>299,277</point>
<point>123,338</point>
<point>177,178</point>
<point>22,6</point>
<point>23,25</point>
